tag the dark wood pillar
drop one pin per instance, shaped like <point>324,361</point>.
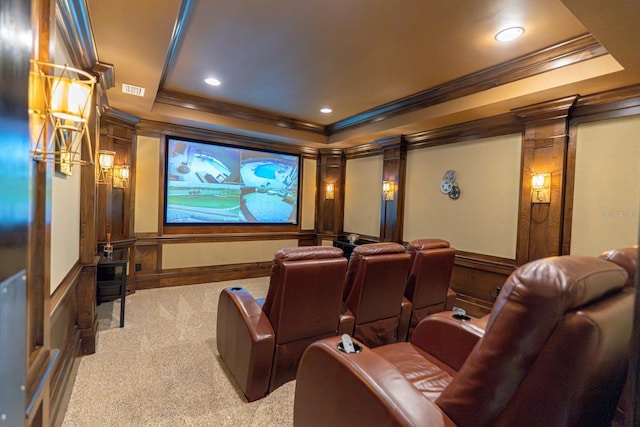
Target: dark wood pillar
<point>330,212</point>
<point>544,150</point>
<point>394,171</point>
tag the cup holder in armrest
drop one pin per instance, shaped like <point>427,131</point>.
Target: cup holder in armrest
<point>459,316</point>
<point>357,347</point>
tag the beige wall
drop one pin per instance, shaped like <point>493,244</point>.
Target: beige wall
<point>363,194</point>
<point>183,255</point>
<point>147,185</point>
<point>65,224</point>
<point>607,186</point>
<point>485,217</point>
<point>308,202</point>
<point>65,209</point>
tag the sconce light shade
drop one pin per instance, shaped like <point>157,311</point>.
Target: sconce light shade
<point>70,100</point>
<point>388,190</point>
<point>120,176</point>
<point>104,170</point>
<point>541,188</point>
<point>62,96</point>
<point>329,192</point>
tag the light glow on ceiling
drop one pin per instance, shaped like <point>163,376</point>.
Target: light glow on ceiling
<point>326,110</point>
<point>212,81</point>
<point>509,34</point>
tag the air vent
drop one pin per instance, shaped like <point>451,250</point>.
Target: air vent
<point>132,90</point>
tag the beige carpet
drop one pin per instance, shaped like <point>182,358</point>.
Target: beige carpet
<point>163,368</point>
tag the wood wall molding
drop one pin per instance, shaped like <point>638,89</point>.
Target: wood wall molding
<point>504,124</point>
<point>581,48</point>
<point>237,111</point>
<point>159,129</point>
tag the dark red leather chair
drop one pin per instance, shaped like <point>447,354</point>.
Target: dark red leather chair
<point>554,353</point>
<point>262,345</point>
<point>428,281</point>
<point>374,292</point>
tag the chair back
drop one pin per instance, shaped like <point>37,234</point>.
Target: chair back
<point>374,290</point>
<point>428,281</point>
<point>554,351</point>
<point>303,303</point>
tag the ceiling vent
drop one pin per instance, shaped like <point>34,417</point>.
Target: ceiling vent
<point>132,90</point>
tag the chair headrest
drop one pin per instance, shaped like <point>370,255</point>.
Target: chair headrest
<point>421,244</point>
<point>299,253</point>
<point>626,258</point>
<point>383,248</point>
<point>567,282</point>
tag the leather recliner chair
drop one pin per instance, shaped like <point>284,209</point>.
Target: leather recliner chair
<point>554,353</point>
<point>626,258</point>
<point>428,281</point>
<point>374,293</point>
<point>262,345</point>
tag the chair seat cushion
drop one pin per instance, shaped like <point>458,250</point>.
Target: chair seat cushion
<point>426,373</point>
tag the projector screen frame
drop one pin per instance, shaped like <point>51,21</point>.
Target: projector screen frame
<point>291,224</point>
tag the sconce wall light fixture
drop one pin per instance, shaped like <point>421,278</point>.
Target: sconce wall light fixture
<point>104,169</point>
<point>120,176</point>
<point>62,96</point>
<point>329,191</point>
<point>541,188</point>
<point>388,190</point>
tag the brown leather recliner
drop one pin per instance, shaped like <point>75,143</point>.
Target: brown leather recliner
<point>626,258</point>
<point>262,345</point>
<point>428,281</point>
<point>554,353</point>
<point>374,292</point>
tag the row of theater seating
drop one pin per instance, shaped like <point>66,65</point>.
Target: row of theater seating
<point>377,297</point>
<point>554,352</point>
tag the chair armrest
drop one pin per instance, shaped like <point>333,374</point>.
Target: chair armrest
<point>448,339</point>
<point>334,388</point>
<point>347,321</point>
<point>245,341</point>
<point>405,318</point>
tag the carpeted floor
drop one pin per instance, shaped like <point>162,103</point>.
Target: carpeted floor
<point>163,368</point>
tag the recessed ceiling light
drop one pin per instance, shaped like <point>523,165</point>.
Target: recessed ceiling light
<point>211,81</point>
<point>509,34</point>
<point>326,110</point>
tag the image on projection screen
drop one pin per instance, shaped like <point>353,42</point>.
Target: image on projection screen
<point>210,183</point>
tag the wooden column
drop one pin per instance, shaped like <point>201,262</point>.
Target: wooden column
<point>544,151</point>
<point>330,212</point>
<point>393,170</point>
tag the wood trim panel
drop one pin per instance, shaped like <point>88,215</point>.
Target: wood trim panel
<point>330,213</point>
<point>394,166</point>
<point>64,336</point>
<point>190,276</point>
<point>475,279</point>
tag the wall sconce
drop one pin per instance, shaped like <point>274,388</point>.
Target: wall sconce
<point>329,191</point>
<point>64,99</point>
<point>120,176</point>
<point>388,190</point>
<point>104,172</point>
<point>541,188</point>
